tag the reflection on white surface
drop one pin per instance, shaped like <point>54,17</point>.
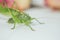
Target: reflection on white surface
<point>48,31</point>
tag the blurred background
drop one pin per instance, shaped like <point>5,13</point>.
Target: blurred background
<point>46,11</point>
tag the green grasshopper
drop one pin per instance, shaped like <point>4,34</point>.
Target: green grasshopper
<point>18,17</point>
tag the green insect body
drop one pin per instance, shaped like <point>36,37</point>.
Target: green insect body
<point>18,17</point>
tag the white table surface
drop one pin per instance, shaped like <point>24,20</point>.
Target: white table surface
<point>48,31</point>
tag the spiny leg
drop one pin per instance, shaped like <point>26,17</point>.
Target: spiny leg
<point>31,28</point>
<point>14,26</point>
<point>38,21</point>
